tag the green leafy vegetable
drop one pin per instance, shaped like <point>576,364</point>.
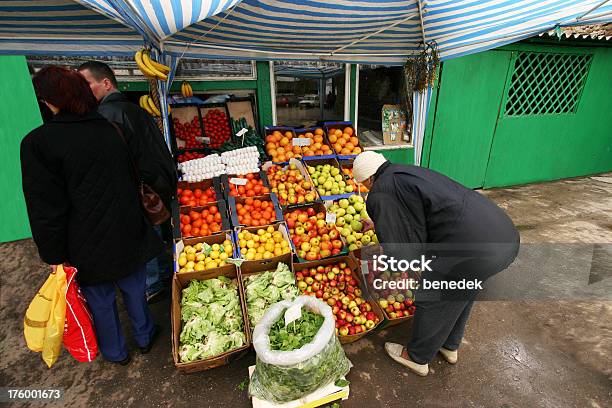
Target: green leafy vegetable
<point>295,334</point>
<point>212,319</point>
<point>266,288</point>
<point>341,383</point>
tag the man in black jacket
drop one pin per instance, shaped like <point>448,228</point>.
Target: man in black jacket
<point>149,150</point>
<point>417,211</point>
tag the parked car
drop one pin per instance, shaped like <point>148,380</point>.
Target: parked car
<point>309,101</point>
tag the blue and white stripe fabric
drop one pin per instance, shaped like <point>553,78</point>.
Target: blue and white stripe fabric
<point>374,32</point>
<point>307,71</point>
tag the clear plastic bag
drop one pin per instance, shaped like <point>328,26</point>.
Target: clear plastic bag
<point>282,376</point>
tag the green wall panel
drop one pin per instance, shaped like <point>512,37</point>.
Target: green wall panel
<point>468,100</point>
<point>19,114</point>
<point>403,155</point>
<point>264,99</point>
<point>534,148</point>
<point>229,85</point>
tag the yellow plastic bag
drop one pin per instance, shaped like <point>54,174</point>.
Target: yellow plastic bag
<point>43,324</point>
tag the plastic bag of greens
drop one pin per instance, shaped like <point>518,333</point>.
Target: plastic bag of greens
<point>282,376</point>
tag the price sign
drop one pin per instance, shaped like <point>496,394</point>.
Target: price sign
<point>301,141</point>
<point>206,249</point>
<point>238,181</point>
<point>330,218</point>
<point>234,261</point>
<point>205,140</point>
<point>293,313</point>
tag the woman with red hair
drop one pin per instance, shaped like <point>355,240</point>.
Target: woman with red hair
<point>84,208</point>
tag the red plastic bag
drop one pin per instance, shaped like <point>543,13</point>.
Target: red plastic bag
<point>79,333</point>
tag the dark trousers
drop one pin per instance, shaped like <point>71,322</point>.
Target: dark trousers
<point>103,305</point>
<point>438,323</point>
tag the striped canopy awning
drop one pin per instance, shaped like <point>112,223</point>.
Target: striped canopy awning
<point>363,31</point>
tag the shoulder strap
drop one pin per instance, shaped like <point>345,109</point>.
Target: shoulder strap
<point>133,165</point>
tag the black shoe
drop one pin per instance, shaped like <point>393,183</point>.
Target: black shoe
<point>147,348</point>
<point>123,362</point>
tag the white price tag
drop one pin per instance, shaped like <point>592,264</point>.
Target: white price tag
<point>242,132</point>
<point>205,140</point>
<point>234,261</point>
<point>301,141</point>
<point>330,218</point>
<point>365,268</point>
<point>293,313</point>
<point>238,181</point>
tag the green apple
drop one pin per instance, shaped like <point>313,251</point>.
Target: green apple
<point>344,203</point>
<point>349,189</point>
<point>340,222</point>
<point>311,169</point>
<point>340,212</point>
<point>334,208</point>
<point>348,217</point>
<point>350,210</point>
<point>338,177</point>
<point>358,206</point>
<point>364,214</point>
<point>366,239</point>
<point>328,185</point>
<point>351,239</point>
<point>345,232</point>
<point>370,233</point>
<point>335,191</point>
<point>353,199</point>
<point>321,180</point>
<point>342,184</point>
<point>359,244</point>
<point>335,171</point>
<point>356,225</point>
<point>353,247</point>
<point>358,235</point>
<point>375,239</point>
<point>356,217</point>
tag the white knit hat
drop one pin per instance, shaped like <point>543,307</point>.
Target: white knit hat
<point>366,164</point>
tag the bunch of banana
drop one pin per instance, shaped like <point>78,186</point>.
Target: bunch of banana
<point>149,67</point>
<point>147,103</point>
<point>186,90</point>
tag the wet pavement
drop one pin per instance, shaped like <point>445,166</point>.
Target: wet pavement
<point>515,353</point>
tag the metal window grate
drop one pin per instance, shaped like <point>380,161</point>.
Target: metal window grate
<point>546,83</point>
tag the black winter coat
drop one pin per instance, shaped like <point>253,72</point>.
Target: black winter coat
<point>146,142</point>
<point>410,204</point>
<point>82,200</point>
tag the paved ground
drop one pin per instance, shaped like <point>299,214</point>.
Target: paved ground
<point>515,354</point>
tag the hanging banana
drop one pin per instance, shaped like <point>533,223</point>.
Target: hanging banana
<point>186,90</point>
<point>154,108</point>
<point>149,67</point>
<point>144,104</point>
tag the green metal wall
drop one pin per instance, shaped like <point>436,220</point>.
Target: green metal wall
<point>469,139</point>
<point>527,149</point>
<point>19,114</point>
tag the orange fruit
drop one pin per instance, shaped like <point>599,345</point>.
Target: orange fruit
<point>345,151</point>
<point>342,142</point>
<point>348,131</point>
<point>318,139</point>
<point>346,136</point>
<point>354,141</point>
<point>296,149</point>
<point>333,139</point>
<point>284,141</point>
<point>338,132</point>
<point>270,146</point>
<point>318,132</point>
<point>280,150</point>
<point>289,135</point>
<point>349,146</point>
<point>309,135</point>
<point>357,150</point>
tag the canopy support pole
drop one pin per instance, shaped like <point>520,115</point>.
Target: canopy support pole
<point>421,21</point>
<point>365,37</point>
<point>591,10</point>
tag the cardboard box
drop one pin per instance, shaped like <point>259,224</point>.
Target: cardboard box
<point>271,198</point>
<point>180,281</point>
<point>225,221</point>
<point>215,183</point>
<point>355,267</point>
<point>300,166</point>
<point>314,161</point>
<point>281,226</point>
<point>341,125</point>
<point>227,186</point>
<point>395,125</point>
<point>180,245</point>
<point>184,113</point>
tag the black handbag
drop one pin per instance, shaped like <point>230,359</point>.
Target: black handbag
<point>151,202</point>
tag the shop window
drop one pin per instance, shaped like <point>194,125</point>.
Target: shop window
<point>382,98</point>
<point>546,83</point>
<point>307,93</point>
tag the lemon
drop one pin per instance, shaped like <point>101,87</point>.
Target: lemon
<point>198,246</point>
<point>250,244</point>
<point>200,257</point>
<point>182,270</point>
<point>182,261</point>
<point>214,254</point>
<point>261,231</point>
<point>243,243</point>
<point>211,265</point>
<point>227,242</point>
<point>250,256</point>
<point>241,235</point>
<point>258,257</point>
<point>256,238</point>
<point>278,251</point>
<point>190,265</point>
<point>261,250</point>
<point>223,256</point>
<point>270,229</point>
<point>284,244</point>
<point>216,247</point>
<point>199,267</point>
<point>191,256</point>
<point>222,263</point>
<point>228,249</point>
<point>269,246</point>
<point>268,254</point>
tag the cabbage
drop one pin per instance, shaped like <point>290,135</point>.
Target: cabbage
<point>266,288</point>
<point>212,319</point>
